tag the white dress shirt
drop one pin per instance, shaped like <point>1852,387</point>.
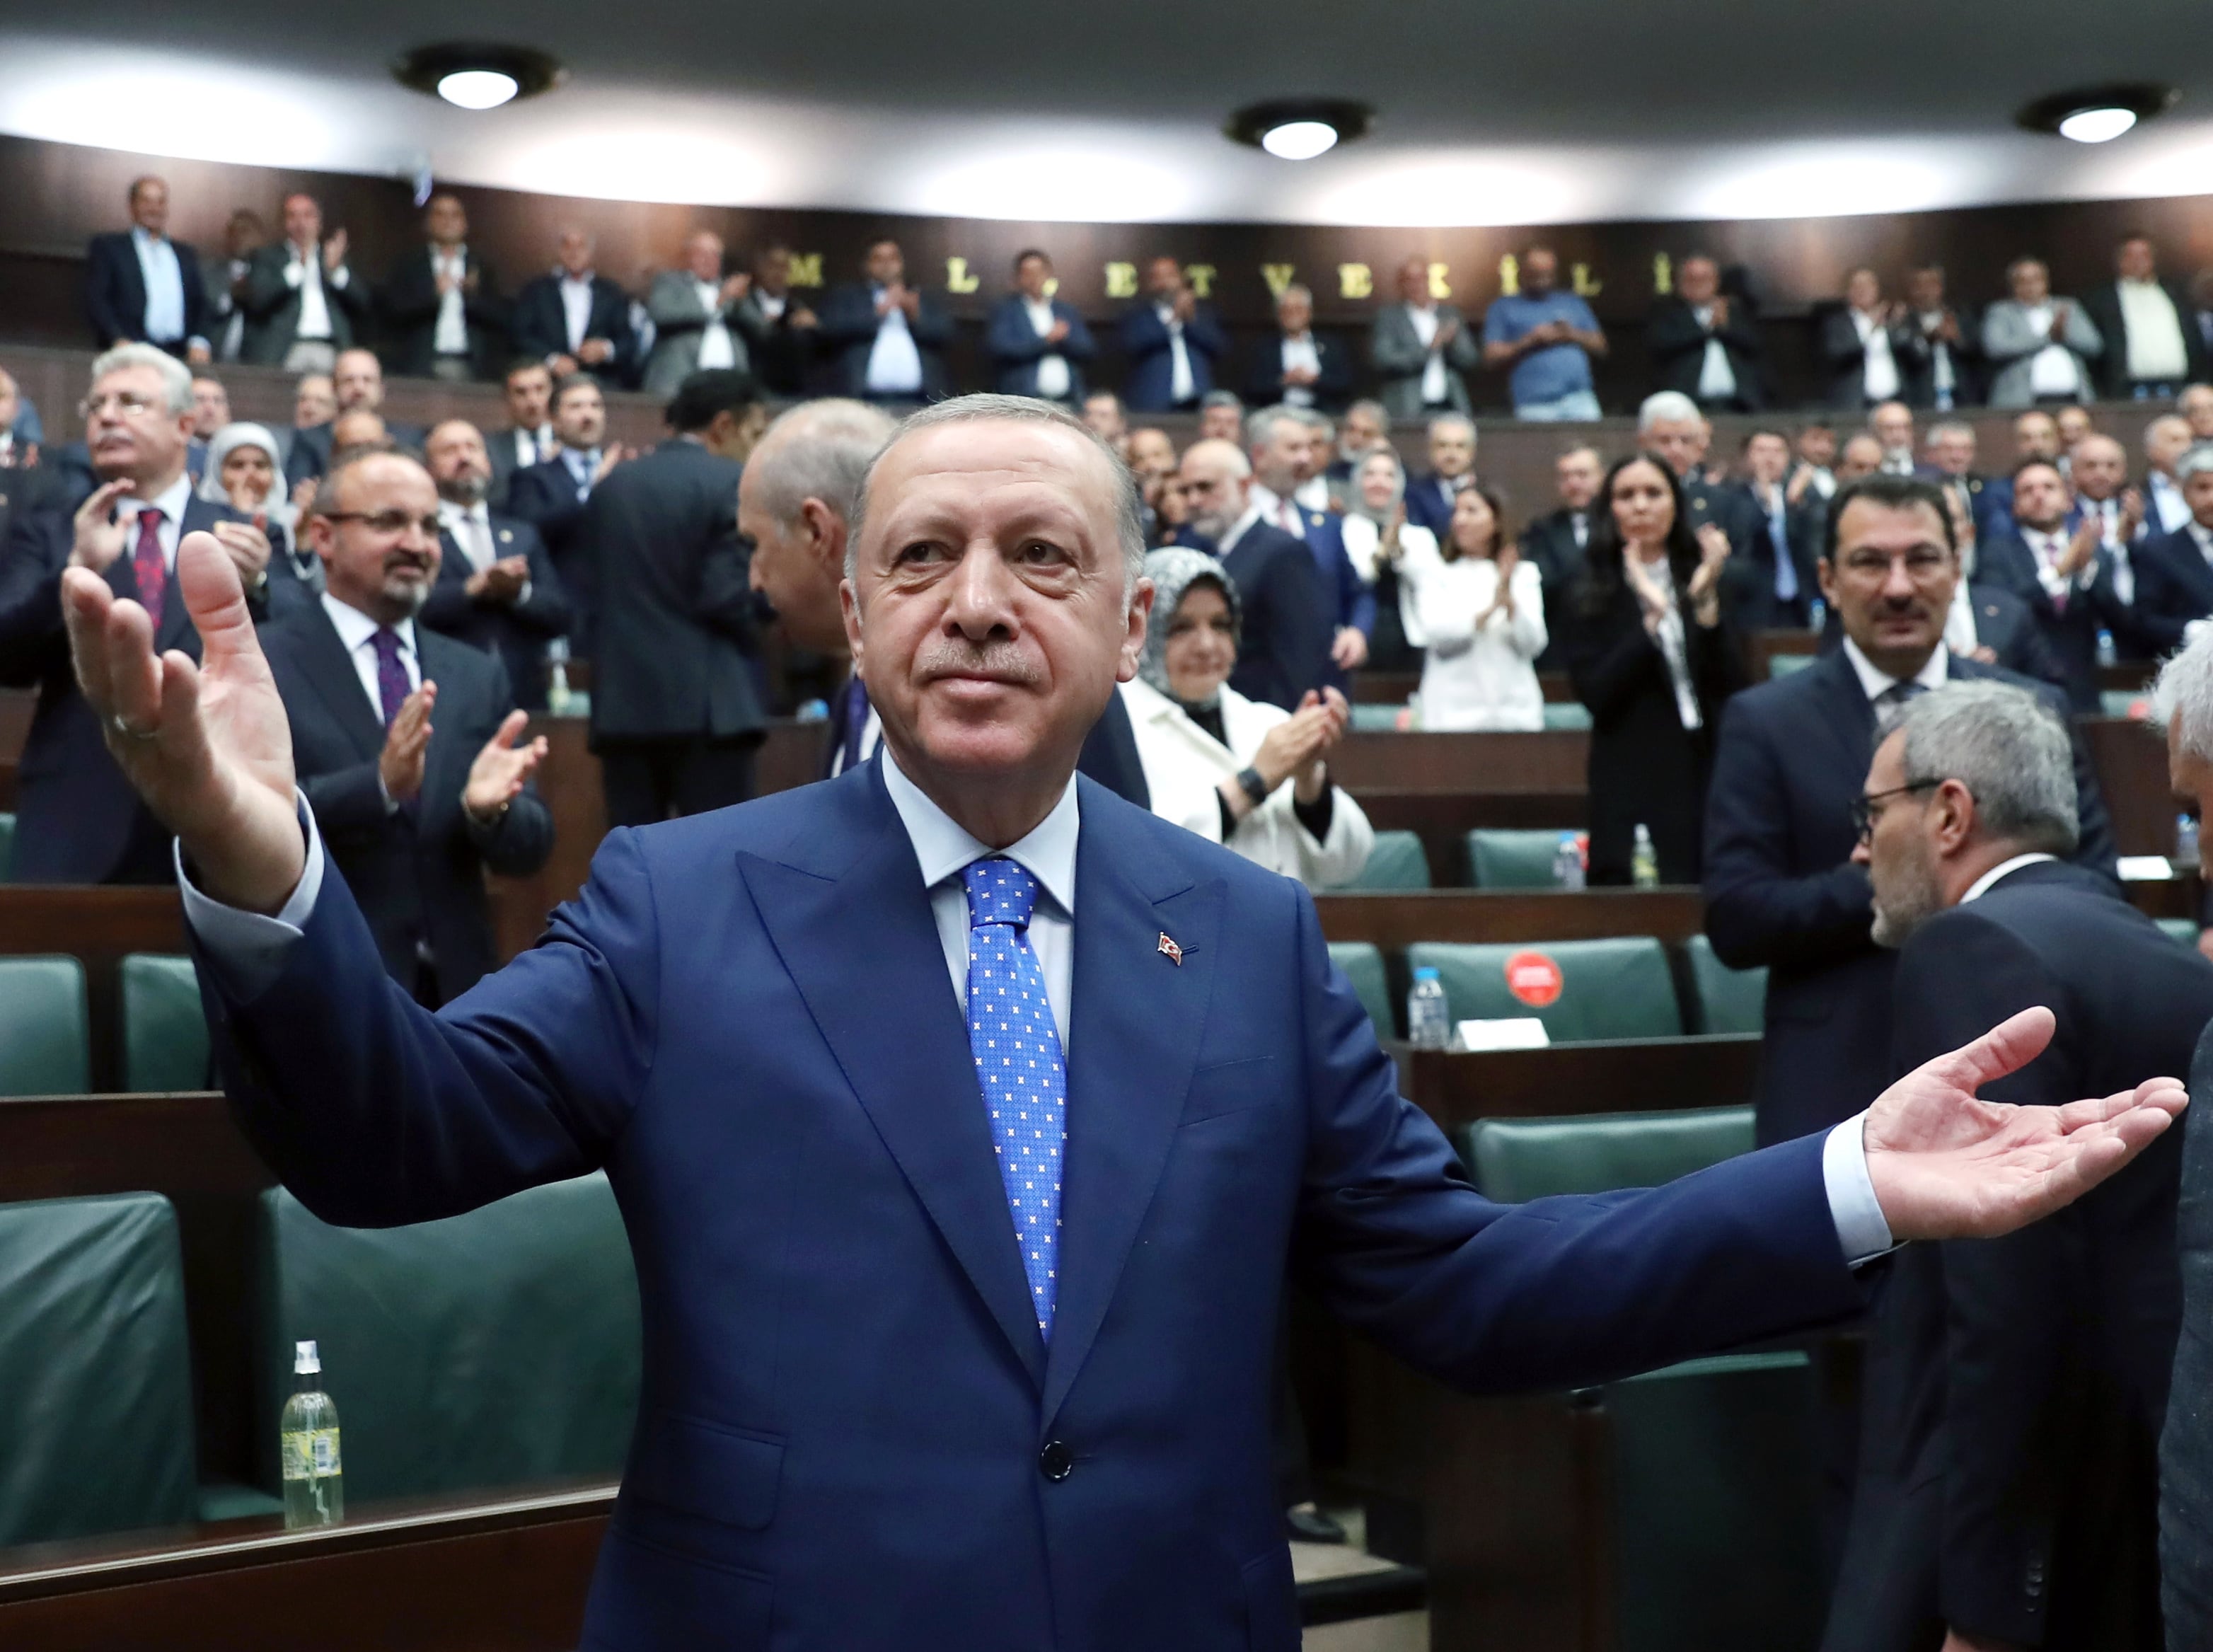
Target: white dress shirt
<point>1182,387</point>
<point>714,346</point>
<point>170,502</point>
<point>575,307</point>
<point>1436,389</point>
<point>1716,378</point>
<point>164,319</point>
<point>1052,380</point>
<point>470,527</point>
<point>1941,378</point>
<point>1878,376</point>
<point>1674,643</point>
<point>1299,355</point>
<point>450,336</point>
<point>2154,332</point>
<point>304,275</point>
<point>1277,509</point>
<point>358,633</point>
<point>532,447</point>
<point>2169,509</point>
<point>1981,885</point>
<point>894,361</point>
<point>2052,371</point>
<point>1934,672</point>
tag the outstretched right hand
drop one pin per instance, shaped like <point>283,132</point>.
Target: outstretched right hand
<point>207,745</point>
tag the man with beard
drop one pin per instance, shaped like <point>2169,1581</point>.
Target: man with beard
<point>1975,1521</point>
<point>1284,649</point>
<point>2058,565</point>
<point>496,588</point>
<point>404,742</point>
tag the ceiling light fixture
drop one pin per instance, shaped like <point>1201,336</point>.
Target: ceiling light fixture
<point>1299,129</point>
<point>2098,114</point>
<point>477,76</point>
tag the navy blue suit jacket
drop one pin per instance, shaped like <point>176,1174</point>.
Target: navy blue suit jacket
<point>1150,386</point>
<point>2006,561</point>
<point>1782,892</point>
<point>516,632</point>
<point>538,326</point>
<point>2174,586</point>
<point>1016,347</point>
<point>1429,503</point>
<point>115,291</point>
<point>746,1019</point>
<point>850,324</point>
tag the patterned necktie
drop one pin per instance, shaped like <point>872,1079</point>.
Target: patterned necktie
<point>1898,694</point>
<point>392,688</point>
<point>1017,1051</point>
<point>147,566</point>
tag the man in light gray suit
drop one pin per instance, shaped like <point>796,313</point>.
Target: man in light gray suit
<point>2039,347</point>
<point>1419,347</point>
<point>695,317</point>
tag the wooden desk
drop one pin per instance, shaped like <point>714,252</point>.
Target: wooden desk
<point>1552,760</point>
<point>2130,759</point>
<point>497,1574</point>
<point>1629,1075</point>
<point>16,705</point>
<point>1396,921</point>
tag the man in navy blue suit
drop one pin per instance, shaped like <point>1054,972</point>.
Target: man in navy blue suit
<point>1039,342</point>
<point>966,1119</point>
<point>1284,650</point>
<point>140,286</point>
<point>496,588</point>
<point>2058,563</point>
<point>1171,342</point>
<point>551,494</point>
<point>887,339</point>
<point>2174,571</point>
<point>574,319</point>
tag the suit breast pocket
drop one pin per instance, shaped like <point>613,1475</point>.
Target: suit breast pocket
<point>1226,1086</point>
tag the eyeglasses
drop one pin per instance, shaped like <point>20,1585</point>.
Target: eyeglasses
<point>1922,565</point>
<point>386,521</point>
<point>1865,814</point>
<point>128,403</point>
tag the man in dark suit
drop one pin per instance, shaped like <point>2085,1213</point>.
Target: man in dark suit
<point>2062,570</point>
<point>1430,496</point>
<point>307,442</point>
<point>1421,349</point>
<point>780,331</point>
<point>1284,647</point>
<point>551,496</point>
<point>2174,571</point>
<point>529,439</point>
<point>443,301</point>
<point>1858,345</point>
<point>1171,341</point>
<point>140,286</point>
<point>358,381</point>
<point>1974,1515</point>
<point>1782,892</point>
<point>575,318</point>
<point>78,820</point>
<point>1703,343</point>
<point>676,700</point>
<point>695,313</point>
<point>496,588</point>
<point>303,304</point>
<point>404,740</point>
<point>2153,344</point>
<point>1554,542</point>
<point>887,339</point>
<point>1938,345</point>
<point>1784,549</point>
<point>1039,343</point>
<point>795,1034</point>
<point>1294,366</point>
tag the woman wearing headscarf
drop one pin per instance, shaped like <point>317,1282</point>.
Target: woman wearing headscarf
<point>1374,533</point>
<point>1481,609</point>
<point>1234,770</point>
<point>245,471</point>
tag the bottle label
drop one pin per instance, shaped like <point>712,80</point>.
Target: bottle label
<point>310,1453</point>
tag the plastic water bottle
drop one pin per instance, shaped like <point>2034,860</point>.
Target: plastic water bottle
<point>1643,864</point>
<point>1568,863</point>
<point>2107,654</point>
<point>559,699</point>
<point>1816,615</point>
<point>1429,1023</point>
<point>308,1443</point>
<point>2186,841</point>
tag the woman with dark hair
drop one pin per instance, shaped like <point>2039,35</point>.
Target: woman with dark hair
<point>1652,663</point>
<point>1481,609</point>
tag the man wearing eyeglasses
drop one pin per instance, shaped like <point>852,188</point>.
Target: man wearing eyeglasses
<point>404,741</point>
<point>78,820</point>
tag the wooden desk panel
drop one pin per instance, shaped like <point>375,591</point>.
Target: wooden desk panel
<point>1631,1076</point>
<point>1395,922</point>
<point>1442,820</point>
<point>1553,761</point>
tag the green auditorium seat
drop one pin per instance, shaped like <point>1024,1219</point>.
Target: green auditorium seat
<point>7,844</point>
<point>1730,1000</point>
<point>2125,702</point>
<point>1516,1160</point>
<point>45,1049</point>
<point>1781,665</point>
<point>1396,862</point>
<point>96,1426</point>
<point>485,1349</point>
<point>1580,989</point>
<point>1362,965</point>
<point>1377,719</point>
<point>1501,859</point>
<point>2182,929</point>
<point>165,1040</point>
<point>1566,714</point>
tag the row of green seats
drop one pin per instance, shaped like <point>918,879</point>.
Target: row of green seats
<point>488,1350</point>
<point>1619,987</point>
<point>45,1041</point>
<point>7,844</point>
<point>1497,858</point>
<point>1384,719</point>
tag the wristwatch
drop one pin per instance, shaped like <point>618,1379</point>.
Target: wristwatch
<point>1255,788</point>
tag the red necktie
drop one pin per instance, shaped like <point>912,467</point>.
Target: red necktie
<point>147,566</point>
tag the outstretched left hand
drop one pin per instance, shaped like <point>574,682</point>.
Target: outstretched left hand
<point>1947,1166</point>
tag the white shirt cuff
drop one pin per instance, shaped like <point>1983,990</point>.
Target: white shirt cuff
<point>295,273</point>
<point>1862,1228</point>
<point>339,276</point>
<point>246,949</point>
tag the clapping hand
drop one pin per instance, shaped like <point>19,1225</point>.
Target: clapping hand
<point>1348,650</point>
<point>249,550</point>
<point>734,288</point>
<point>1652,602</point>
<point>496,777</point>
<point>407,746</point>
<point>1706,582</point>
<point>2133,514</point>
<point>1946,1166</point>
<point>2081,549</point>
<point>97,530</point>
<point>610,456</point>
<point>501,583</point>
<point>334,251</point>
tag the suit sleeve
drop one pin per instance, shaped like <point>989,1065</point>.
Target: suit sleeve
<point>34,640</point>
<point>1335,383</point>
<point>102,305</point>
<point>2009,1302</point>
<point>2006,334</point>
<point>1610,663</point>
<point>1672,329</point>
<point>411,293</point>
<point>846,316</point>
<point>1840,342</point>
<point>1010,337</point>
<point>932,327</point>
<point>1302,632</point>
<point>1079,345</point>
<point>1555,1292</point>
<point>546,610</point>
<point>529,337</point>
<point>1392,348</point>
<point>674,307</point>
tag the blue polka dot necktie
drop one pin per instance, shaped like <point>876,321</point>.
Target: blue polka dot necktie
<point>1017,1051</point>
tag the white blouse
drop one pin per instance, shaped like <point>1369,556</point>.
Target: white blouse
<point>1471,677</point>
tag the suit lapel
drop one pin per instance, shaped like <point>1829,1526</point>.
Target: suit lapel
<point>1138,1020</point>
<point>323,661</point>
<point>847,911</point>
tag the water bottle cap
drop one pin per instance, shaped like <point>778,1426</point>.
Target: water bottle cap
<point>1425,972</point>
<point>304,1360</point>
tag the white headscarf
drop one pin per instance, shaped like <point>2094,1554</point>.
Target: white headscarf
<point>275,508</point>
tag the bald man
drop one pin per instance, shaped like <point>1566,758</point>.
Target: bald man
<point>1289,615</point>
<point>574,317</point>
<point>695,316</point>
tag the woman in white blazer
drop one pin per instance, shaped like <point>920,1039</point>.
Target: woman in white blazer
<point>1481,609</point>
<point>1234,770</point>
<point>1376,533</point>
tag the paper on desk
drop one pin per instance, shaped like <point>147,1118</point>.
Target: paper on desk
<point>1507,1032</point>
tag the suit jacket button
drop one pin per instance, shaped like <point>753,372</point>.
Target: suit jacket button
<point>1055,1462</point>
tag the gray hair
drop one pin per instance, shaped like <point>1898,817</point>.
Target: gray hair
<point>1375,409</point>
<point>2196,459</point>
<point>1298,289</point>
<point>2182,698</point>
<point>1221,399</point>
<point>1949,427</point>
<point>1129,526</point>
<point>1446,421</point>
<point>818,450</point>
<point>2006,747</point>
<point>176,377</point>
<point>1666,407</point>
<point>1260,426</point>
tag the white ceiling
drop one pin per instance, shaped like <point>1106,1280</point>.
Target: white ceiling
<point>1568,112</point>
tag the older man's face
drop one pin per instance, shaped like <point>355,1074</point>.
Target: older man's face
<point>795,564</point>
<point>1224,421</point>
<point>358,381</point>
<point>1892,425</point>
<point>2100,467</point>
<point>1681,441</point>
<point>988,612</point>
<point>2188,775</point>
<point>702,257</point>
<point>1900,859</point>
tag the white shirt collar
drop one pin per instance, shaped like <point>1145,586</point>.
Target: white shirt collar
<point>568,280</point>
<point>943,846</point>
<point>1237,529</point>
<point>355,628</point>
<point>1933,674</point>
<point>452,509</point>
<point>170,501</point>
<point>1981,885</point>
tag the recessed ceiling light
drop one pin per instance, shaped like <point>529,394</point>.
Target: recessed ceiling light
<point>477,77</point>
<point>1299,129</point>
<point>2098,114</point>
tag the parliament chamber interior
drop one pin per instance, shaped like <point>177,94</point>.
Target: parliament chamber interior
<point>1642,517</point>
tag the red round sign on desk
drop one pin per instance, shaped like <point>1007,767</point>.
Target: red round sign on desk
<point>1534,978</point>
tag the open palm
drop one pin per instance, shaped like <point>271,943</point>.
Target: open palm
<point>1946,1165</point>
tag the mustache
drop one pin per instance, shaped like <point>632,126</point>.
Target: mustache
<point>1002,661</point>
<point>396,560</point>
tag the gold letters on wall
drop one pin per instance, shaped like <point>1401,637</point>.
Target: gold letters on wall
<point>1121,280</point>
<point>1278,277</point>
<point>1355,281</point>
<point>807,269</point>
<point>959,278</point>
